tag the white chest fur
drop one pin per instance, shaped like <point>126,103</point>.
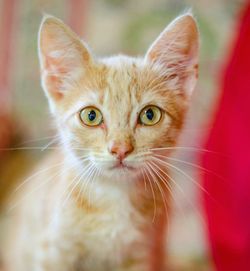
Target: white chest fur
<point>103,237</point>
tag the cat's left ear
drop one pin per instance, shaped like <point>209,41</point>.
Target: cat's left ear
<point>63,58</point>
<point>175,51</point>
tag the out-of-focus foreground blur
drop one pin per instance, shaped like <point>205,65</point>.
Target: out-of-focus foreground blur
<point>111,27</point>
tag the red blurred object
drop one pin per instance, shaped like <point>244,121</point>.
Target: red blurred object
<point>228,204</point>
<point>7,21</point>
<point>77,15</point>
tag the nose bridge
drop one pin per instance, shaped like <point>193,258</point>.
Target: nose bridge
<point>119,131</point>
<point>120,136</point>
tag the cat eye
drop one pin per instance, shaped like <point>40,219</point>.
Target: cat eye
<point>91,116</point>
<point>150,115</point>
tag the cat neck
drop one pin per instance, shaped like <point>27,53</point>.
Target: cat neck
<point>102,192</point>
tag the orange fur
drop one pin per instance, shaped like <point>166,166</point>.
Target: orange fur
<point>97,213</point>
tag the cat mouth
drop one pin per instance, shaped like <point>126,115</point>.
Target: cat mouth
<point>121,165</point>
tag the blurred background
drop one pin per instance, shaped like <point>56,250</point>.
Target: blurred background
<point>112,27</point>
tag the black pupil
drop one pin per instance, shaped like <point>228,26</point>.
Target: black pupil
<point>92,115</point>
<point>150,114</point>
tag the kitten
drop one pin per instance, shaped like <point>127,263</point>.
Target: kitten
<point>100,202</point>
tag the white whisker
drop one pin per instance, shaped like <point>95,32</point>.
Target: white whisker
<point>153,193</point>
<point>35,189</point>
<point>144,180</point>
<point>187,149</point>
<point>87,176</point>
<point>79,176</point>
<point>38,173</point>
<point>191,164</point>
<point>165,182</point>
<point>183,193</point>
<point>50,143</point>
<point>183,173</point>
<point>179,188</point>
<point>38,139</point>
<point>163,195</point>
<point>154,174</point>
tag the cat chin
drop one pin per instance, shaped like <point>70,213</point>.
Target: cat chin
<point>122,173</point>
<point>122,167</point>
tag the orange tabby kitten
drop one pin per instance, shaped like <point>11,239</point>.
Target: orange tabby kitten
<point>100,201</point>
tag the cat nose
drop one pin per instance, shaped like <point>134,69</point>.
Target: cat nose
<point>120,150</point>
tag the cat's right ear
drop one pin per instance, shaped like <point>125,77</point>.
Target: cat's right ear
<point>63,57</point>
<point>176,52</point>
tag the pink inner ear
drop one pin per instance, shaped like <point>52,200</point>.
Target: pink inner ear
<point>178,43</point>
<point>53,84</point>
<point>176,50</point>
<point>63,56</point>
<point>55,73</point>
<point>54,66</point>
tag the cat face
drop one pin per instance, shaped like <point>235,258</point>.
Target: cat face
<point>111,113</point>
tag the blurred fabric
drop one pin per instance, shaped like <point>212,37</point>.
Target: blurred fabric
<point>7,33</point>
<point>227,202</point>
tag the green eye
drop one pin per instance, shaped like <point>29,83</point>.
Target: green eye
<point>150,115</point>
<point>91,116</point>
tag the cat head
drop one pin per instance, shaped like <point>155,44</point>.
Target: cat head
<point>114,113</point>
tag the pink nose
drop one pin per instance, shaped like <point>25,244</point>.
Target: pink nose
<point>120,150</point>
